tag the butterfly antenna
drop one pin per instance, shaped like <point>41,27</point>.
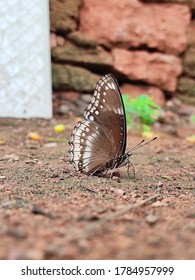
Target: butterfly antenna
<point>141,144</point>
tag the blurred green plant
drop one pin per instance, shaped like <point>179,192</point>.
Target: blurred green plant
<point>193,119</point>
<point>141,109</point>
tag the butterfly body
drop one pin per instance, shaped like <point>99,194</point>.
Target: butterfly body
<point>98,143</point>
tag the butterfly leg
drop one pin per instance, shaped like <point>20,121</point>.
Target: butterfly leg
<point>113,171</point>
<point>97,172</point>
<point>128,167</point>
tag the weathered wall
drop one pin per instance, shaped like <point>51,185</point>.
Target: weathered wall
<point>148,45</point>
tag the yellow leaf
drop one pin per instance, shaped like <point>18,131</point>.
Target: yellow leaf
<point>148,135</point>
<point>35,136</point>
<point>2,141</point>
<point>191,139</point>
<point>59,127</point>
<point>78,119</point>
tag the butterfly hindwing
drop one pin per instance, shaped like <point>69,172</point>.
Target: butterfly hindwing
<point>89,147</point>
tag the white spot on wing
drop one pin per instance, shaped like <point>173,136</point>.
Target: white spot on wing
<point>113,86</point>
<point>110,85</point>
<point>91,118</point>
<point>96,102</point>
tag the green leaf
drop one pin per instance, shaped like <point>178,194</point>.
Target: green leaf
<point>165,177</point>
<point>146,128</point>
<point>142,108</point>
<point>193,118</point>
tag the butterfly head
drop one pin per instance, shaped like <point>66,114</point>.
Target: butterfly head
<point>123,159</point>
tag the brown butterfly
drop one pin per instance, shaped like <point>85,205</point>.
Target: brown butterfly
<point>98,143</point>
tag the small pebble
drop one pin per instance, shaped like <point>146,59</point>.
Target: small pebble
<point>63,109</point>
<point>151,219</point>
<point>116,179</point>
<point>191,227</point>
<point>34,161</point>
<point>11,157</point>
<point>119,192</point>
<point>159,150</point>
<point>158,204</point>
<point>191,213</point>
<point>86,98</point>
<point>160,184</point>
<point>50,145</point>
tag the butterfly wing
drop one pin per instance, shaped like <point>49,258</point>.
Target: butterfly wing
<point>89,147</point>
<point>107,109</point>
<point>99,140</point>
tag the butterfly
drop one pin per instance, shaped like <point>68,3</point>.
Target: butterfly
<point>98,143</point>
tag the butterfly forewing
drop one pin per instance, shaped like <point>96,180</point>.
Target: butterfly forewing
<point>107,110</point>
<point>101,138</point>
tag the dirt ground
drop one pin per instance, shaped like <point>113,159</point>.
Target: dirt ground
<point>49,212</point>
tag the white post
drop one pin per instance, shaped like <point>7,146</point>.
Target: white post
<point>25,64</point>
